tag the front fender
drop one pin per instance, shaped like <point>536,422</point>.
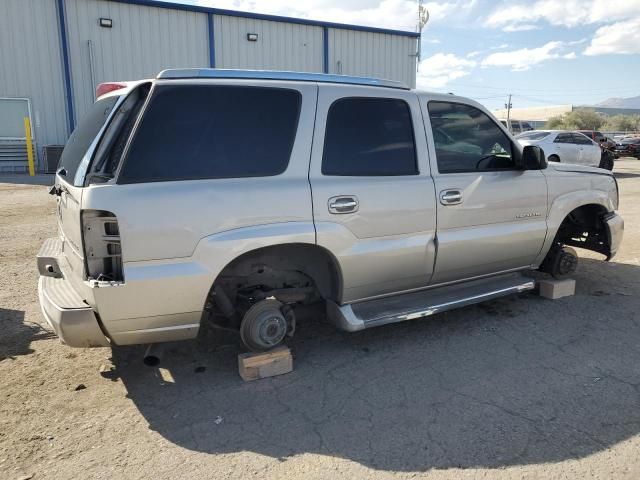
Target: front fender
<point>563,205</point>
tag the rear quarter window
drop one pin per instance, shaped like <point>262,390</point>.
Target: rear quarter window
<point>82,138</point>
<point>191,132</point>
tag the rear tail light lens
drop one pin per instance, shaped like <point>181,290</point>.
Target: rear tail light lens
<point>102,248</point>
<point>108,87</point>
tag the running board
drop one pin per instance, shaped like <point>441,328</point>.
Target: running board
<point>410,306</point>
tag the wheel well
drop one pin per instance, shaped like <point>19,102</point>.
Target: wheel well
<point>584,227</point>
<point>295,265</point>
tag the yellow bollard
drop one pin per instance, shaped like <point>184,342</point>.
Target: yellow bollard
<point>27,135</point>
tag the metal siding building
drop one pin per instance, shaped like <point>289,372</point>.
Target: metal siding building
<point>31,68</point>
<point>373,55</point>
<point>280,45</point>
<point>54,53</point>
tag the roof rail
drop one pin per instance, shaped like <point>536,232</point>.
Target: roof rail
<point>277,75</point>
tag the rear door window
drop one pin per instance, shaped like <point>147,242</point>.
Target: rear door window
<point>191,132</point>
<point>581,139</point>
<point>82,138</point>
<point>369,137</point>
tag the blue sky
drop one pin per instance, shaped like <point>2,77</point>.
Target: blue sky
<point>544,52</point>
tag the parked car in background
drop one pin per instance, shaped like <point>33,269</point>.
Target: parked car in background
<point>565,146</point>
<point>517,126</point>
<point>628,147</point>
<point>598,137</point>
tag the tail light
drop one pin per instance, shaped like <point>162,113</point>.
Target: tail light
<point>102,247</point>
<point>108,87</point>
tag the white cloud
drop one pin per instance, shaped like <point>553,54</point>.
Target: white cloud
<point>567,13</point>
<point>621,37</point>
<point>524,58</point>
<point>520,27</point>
<point>441,68</point>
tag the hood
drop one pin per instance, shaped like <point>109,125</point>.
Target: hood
<point>570,167</point>
<point>527,141</point>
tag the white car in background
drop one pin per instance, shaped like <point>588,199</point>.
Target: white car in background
<point>564,146</point>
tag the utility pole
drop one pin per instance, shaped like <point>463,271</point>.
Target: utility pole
<point>508,107</point>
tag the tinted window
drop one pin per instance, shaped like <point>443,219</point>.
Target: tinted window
<point>369,137</point>
<point>564,138</point>
<point>83,136</point>
<point>203,131</point>
<point>580,139</point>
<point>468,140</point>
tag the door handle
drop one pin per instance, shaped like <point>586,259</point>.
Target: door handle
<point>450,197</point>
<point>343,204</point>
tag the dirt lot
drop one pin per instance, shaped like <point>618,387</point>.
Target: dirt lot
<point>517,388</point>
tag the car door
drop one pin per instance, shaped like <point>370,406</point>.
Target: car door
<point>491,215</point>
<point>566,148</point>
<point>373,198</point>
<point>589,151</point>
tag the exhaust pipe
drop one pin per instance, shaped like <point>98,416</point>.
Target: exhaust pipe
<point>153,355</point>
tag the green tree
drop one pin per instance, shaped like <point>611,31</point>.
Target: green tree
<point>582,119</point>
<point>555,123</point>
<point>623,123</point>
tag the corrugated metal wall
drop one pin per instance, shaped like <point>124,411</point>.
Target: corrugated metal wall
<point>143,41</point>
<point>372,54</point>
<point>146,39</point>
<point>280,45</point>
<point>31,64</point>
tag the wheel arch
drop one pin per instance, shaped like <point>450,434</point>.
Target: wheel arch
<point>592,205</point>
<point>313,260</point>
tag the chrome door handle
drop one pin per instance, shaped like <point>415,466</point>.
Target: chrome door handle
<point>343,204</point>
<point>450,197</point>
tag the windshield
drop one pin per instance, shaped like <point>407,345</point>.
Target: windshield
<point>533,135</point>
<point>82,137</point>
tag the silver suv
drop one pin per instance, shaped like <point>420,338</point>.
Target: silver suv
<point>233,196</point>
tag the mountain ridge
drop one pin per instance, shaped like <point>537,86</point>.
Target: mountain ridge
<point>620,102</point>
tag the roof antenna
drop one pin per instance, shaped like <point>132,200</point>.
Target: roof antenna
<point>423,18</point>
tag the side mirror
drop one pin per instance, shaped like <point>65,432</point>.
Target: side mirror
<point>533,158</point>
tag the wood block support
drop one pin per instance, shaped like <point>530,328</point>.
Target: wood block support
<point>253,366</point>
<point>554,289</point>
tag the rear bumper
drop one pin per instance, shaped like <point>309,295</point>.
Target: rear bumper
<point>73,320</point>
<point>615,231</point>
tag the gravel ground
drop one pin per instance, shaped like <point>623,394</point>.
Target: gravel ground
<point>516,388</point>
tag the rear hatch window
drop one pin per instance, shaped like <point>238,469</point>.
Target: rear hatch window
<point>82,138</point>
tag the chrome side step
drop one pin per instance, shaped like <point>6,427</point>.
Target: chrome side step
<point>410,306</point>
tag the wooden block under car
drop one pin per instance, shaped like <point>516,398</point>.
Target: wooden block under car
<point>554,289</point>
<point>253,366</point>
